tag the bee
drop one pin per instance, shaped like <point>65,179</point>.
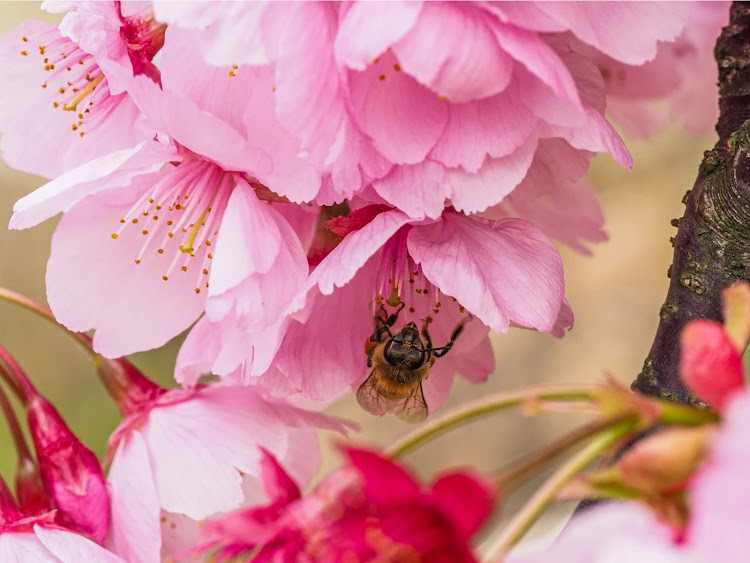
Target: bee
<point>398,365</point>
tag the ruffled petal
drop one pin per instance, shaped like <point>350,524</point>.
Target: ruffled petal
<point>418,190</point>
<point>501,272</point>
<point>628,32</point>
<point>403,118</point>
<point>135,503</point>
<point>453,51</point>
<point>367,29</point>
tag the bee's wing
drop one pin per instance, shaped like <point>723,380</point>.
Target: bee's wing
<point>412,408</point>
<point>370,398</point>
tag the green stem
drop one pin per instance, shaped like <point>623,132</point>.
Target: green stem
<point>516,472</point>
<point>484,406</point>
<point>45,312</point>
<point>546,494</point>
<point>685,415</point>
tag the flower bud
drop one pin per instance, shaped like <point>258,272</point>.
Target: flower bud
<point>70,472</point>
<point>30,492</point>
<point>710,364</point>
<point>663,462</point>
<point>9,512</point>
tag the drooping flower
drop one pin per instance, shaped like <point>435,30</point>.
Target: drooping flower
<point>169,229</point>
<point>393,95</point>
<point>435,273</point>
<point>371,510</point>
<point>66,101</point>
<point>181,456</point>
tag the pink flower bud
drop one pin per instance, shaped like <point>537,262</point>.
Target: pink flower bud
<point>30,491</point>
<point>9,512</point>
<point>710,364</point>
<point>70,472</point>
<point>663,462</point>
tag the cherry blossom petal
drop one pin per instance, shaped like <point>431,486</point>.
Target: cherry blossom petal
<point>501,272</point>
<point>24,547</point>
<point>131,306</point>
<point>465,499</point>
<point>340,266</point>
<point>178,535</point>
<point>418,190</point>
<point>385,482</point>
<point>453,51</point>
<point>200,131</point>
<point>227,32</point>
<point>494,127</point>
<point>610,26</point>
<point>135,516</point>
<point>367,29</point>
<point>403,118</point>
<point>72,548</point>
<point>112,170</point>
<point>256,275</point>
<point>279,486</point>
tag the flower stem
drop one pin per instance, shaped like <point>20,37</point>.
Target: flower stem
<point>546,494</point>
<point>15,377</point>
<point>487,405</point>
<point>44,312</point>
<point>516,472</point>
<point>10,416</point>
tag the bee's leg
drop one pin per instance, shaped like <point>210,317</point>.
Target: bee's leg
<point>426,333</point>
<point>443,350</point>
<point>385,322</point>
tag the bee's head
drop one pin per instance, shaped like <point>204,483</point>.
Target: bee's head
<point>406,348</point>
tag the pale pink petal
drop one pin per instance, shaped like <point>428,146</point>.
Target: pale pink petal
<point>200,131</point>
<point>198,353</point>
<point>367,29</point>
<point>340,266</point>
<point>437,386</point>
<point>178,534</point>
<point>72,548</point>
<point>501,272</point>
<point>526,15</point>
<point>556,198</point>
<point>23,548</point>
<point>322,367</point>
<point>201,447</point>
<point>453,51</point>
<point>130,305</point>
<point>227,32</point>
<point>259,264</point>
<point>418,190</point>
<point>135,503</point>
<point>540,59</point>
<point>494,127</point>
<point>498,177</point>
<point>38,135</point>
<point>626,31</point>
<point>403,118</point>
<point>109,171</point>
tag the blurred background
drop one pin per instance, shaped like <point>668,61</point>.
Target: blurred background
<point>616,295</point>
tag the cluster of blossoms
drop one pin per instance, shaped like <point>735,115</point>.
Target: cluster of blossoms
<point>275,175</point>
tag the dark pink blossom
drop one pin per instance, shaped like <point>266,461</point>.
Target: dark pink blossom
<point>372,510</point>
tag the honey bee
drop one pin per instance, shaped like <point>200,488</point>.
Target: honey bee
<point>399,364</point>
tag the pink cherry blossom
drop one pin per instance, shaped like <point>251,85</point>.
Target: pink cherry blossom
<point>371,510</point>
<point>432,267</point>
<point>183,455</point>
<point>168,230</point>
<point>68,104</point>
<point>399,98</point>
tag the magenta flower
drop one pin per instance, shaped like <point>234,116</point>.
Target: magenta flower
<point>394,95</point>
<point>168,230</point>
<point>372,510</point>
<point>181,456</point>
<point>68,104</point>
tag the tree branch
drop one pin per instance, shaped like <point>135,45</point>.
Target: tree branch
<point>712,246</point>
